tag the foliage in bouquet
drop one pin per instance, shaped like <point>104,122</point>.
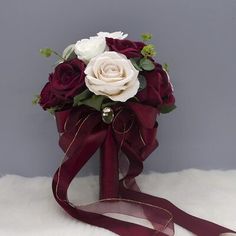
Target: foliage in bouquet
<point>106,70</point>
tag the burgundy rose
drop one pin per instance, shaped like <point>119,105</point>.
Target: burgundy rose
<point>68,79</point>
<point>47,98</point>
<point>158,91</point>
<point>128,48</point>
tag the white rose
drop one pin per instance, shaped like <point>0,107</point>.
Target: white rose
<point>114,35</point>
<point>86,49</point>
<point>111,74</point>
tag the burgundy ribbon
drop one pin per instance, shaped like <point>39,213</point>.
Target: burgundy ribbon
<point>132,132</point>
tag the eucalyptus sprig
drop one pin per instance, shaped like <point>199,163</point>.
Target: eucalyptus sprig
<point>142,64</point>
<point>148,51</point>
<point>47,52</point>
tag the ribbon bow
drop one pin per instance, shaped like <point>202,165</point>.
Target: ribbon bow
<point>132,132</point>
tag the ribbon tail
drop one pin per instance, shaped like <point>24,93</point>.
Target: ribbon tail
<point>194,224</point>
<point>129,189</point>
<point>93,214</point>
<point>109,170</point>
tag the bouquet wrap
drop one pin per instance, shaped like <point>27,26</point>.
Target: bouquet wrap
<point>82,132</point>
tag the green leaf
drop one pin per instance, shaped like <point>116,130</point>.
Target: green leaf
<point>166,67</point>
<point>166,109</point>
<point>142,82</point>
<point>86,98</point>
<point>52,110</point>
<point>135,62</point>
<point>46,52</point>
<point>35,99</point>
<point>147,64</point>
<point>146,37</point>
<point>95,101</point>
<point>82,96</point>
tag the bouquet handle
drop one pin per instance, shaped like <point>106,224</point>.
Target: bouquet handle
<point>109,168</point>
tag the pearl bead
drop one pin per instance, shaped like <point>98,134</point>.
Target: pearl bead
<point>107,115</point>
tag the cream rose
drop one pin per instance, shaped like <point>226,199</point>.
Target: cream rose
<point>111,74</point>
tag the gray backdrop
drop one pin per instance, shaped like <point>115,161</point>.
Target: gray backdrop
<point>196,38</point>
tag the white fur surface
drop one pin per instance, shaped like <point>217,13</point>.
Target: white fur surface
<point>27,206</point>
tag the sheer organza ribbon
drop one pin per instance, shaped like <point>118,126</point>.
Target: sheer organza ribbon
<point>133,133</point>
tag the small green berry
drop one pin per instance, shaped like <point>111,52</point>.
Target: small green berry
<point>46,52</point>
<point>146,37</point>
<point>148,50</point>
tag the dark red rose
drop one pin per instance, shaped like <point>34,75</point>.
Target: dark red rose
<point>68,79</point>
<point>47,98</point>
<point>129,48</point>
<point>159,91</point>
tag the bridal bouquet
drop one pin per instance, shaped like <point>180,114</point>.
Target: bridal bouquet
<point>106,93</point>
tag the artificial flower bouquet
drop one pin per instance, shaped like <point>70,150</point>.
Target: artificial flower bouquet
<point>106,93</point>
